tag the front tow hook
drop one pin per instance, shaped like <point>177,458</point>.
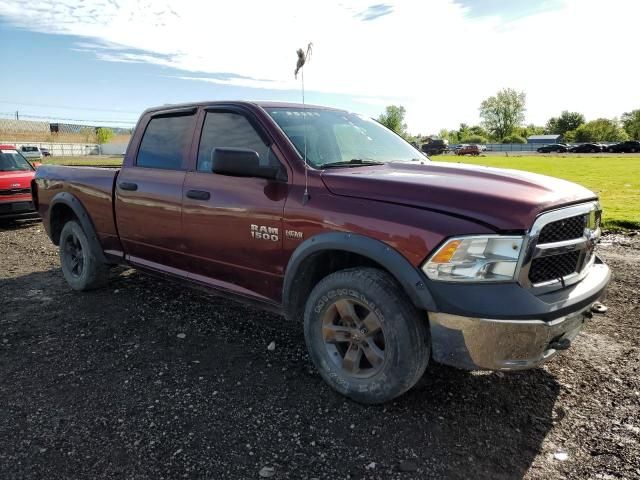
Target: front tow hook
<point>562,344</point>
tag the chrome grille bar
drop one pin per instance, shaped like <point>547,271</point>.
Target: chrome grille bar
<point>585,245</point>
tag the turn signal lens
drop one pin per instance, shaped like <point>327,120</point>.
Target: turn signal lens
<point>475,259</point>
<point>444,254</point>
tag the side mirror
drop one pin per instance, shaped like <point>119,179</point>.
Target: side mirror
<point>36,164</point>
<point>240,162</point>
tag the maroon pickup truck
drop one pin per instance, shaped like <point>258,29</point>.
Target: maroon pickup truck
<point>387,259</point>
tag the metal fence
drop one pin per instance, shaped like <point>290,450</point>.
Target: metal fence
<point>523,147</point>
<point>60,149</point>
<point>513,147</point>
<point>48,131</point>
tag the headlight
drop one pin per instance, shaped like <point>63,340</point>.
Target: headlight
<point>475,259</point>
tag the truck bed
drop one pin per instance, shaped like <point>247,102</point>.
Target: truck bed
<point>92,186</point>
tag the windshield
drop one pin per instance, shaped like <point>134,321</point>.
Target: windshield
<point>336,136</point>
<point>12,161</point>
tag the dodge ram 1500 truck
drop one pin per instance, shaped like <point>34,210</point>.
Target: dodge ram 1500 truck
<point>386,258</point>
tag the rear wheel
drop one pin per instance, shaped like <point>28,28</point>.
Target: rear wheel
<point>80,264</point>
<point>364,335</point>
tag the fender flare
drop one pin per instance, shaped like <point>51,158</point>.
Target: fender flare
<point>83,217</point>
<point>410,278</point>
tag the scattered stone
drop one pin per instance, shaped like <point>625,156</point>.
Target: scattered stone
<point>181,335</point>
<point>632,428</point>
<point>561,456</point>
<point>408,466</point>
<point>272,346</point>
<point>267,472</point>
<point>599,308</point>
<point>371,466</point>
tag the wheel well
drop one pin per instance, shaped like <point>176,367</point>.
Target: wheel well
<point>317,266</point>
<point>60,214</point>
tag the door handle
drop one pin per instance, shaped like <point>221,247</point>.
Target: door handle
<point>198,194</point>
<point>128,186</point>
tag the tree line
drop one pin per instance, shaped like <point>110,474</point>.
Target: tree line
<point>503,118</point>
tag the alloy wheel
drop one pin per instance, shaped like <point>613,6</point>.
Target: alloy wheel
<point>73,255</point>
<point>353,337</point>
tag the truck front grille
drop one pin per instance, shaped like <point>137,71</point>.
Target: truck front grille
<point>560,247</point>
<point>565,229</point>
<point>555,267</point>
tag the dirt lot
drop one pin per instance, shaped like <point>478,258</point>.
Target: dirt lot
<point>146,379</point>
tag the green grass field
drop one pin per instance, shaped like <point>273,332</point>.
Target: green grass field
<point>616,179</point>
<point>89,160</point>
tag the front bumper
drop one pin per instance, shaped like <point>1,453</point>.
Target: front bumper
<point>17,209</point>
<point>519,341</point>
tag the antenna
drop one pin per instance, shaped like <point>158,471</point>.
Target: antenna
<point>302,59</point>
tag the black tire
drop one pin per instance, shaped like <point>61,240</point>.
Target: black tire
<point>80,264</point>
<point>398,331</point>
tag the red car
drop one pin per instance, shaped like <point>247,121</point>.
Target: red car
<point>16,174</point>
<point>473,150</point>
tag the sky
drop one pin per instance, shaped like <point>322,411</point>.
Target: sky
<point>108,60</point>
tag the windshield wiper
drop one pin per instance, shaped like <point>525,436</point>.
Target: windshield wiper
<point>354,162</point>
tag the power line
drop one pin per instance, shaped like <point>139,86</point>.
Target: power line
<point>17,103</point>
<point>49,118</point>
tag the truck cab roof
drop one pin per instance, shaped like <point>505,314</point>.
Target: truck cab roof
<point>258,103</point>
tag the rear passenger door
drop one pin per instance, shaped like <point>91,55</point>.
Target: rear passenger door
<point>234,229</point>
<point>149,193</point>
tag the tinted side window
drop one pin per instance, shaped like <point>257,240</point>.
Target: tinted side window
<point>165,142</point>
<point>230,130</point>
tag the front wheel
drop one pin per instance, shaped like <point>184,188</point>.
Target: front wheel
<point>365,337</point>
<point>80,266</point>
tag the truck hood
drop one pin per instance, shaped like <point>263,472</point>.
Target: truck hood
<point>504,199</point>
<point>11,180</point>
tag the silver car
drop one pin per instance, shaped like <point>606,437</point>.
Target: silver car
<point>31,152</point>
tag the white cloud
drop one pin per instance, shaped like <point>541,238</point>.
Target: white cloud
<point>433,55</point>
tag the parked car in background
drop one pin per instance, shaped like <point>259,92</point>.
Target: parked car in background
<point>554,147</point>
<point>45,152</point>
<point>586,148</point>
<point>31,152</point>
<point>473,150</point>
<point>436,146</point>
<point>16,174</point>
<point>630,146</point>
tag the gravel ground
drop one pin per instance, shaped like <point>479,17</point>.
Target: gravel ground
<point>145,379</point>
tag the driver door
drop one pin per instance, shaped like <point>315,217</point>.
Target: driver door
<point>233,224</point>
